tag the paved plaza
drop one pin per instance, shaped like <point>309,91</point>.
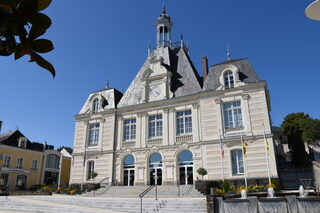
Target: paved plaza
<point>70,204</point>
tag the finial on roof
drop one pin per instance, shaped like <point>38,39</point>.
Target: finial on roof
<point>181,40</point>
<point>149,49</point>
<point>164,7</point>
<point>228,52</point>
<point>108,84</point>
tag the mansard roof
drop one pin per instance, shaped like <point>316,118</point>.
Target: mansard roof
<point>11,138</point>
<point>246,73</point>
<point>185,79</point>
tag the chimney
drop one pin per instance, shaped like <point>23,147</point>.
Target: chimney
<point>0,125</point>
<point>204,67</point>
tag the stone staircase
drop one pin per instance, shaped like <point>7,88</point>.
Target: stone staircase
<point>126,199</point>
<point>167,191</point>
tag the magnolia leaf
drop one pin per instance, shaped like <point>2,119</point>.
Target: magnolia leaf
<point>20,51</point>
<point>36,32</point>
<point>42,46</point>
<point>43,63</point>
<point>40,20</point>
<point>6,4</point>
<point>43,4</point>
<point>28,7</point>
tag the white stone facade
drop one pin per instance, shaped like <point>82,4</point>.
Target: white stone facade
<point>156,91</point>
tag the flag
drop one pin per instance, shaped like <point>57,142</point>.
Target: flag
<point>244,147</point>
<point>221,148</point>
<point>266,145</point>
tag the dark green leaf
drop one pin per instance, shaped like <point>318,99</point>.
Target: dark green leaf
<point>35,32</point>
<point>43,63</point>
<point>3,49</point>
<point>40,20</point>
<point>20,51</point>
<point>42,46</point>
<point>28,7</point>
<point>43,4</point>
<point>7,4</point>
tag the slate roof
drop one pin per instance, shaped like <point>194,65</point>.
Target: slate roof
<point>110,96</point>
<point>185,79</point>
<point>246,73</point>
<point>11,138</point>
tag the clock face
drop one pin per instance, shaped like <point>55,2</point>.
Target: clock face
<point>156,91</point>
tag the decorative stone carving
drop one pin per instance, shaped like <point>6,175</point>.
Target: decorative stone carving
<point>217,100</point>
<point>245,96</point>
<point>195,105</point>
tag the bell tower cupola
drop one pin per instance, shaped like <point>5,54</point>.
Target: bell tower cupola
<point>164,25</point>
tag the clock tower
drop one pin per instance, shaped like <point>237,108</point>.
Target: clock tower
<point>156,78</point>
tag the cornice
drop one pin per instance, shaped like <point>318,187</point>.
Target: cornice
<point>173,102</point>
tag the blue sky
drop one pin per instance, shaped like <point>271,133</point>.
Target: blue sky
<point>102,40</point>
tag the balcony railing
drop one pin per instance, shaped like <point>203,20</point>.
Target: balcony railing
<point>184,139</point>
<point>129,144</point>
<point>154,141</point>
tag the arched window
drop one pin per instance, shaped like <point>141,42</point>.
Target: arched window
<point>155,158</point>
<point>95,105</point>
<point>155,169</point>
<point>228,80</point>
<point>128,171</point>
<point>185,157</point>
<point>185,163</point>
<point>128,162</point>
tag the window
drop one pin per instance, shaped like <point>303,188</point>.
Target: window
<point>155,126</point>
<point>19,163</point>
<point>90,170</point>
<point>34,165</point>
<point>95,105</point>
<point>232,115</point>
<point>93,134</point>
<point>4,179</point>
<point>237,162</point>
<point>52,161</point>
<point>184,122</point>
<point>228,80</point>
<point>6,162</point>
<point>129,129</point>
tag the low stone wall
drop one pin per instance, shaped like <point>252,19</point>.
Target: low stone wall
<point>253,204</point>
<point>316,174</point>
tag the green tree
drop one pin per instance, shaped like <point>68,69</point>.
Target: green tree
<point>21,25</point>
<point>311,131</point>
<point>293,127</point>
<point>202,171</point>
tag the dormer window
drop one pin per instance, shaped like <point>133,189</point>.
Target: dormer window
<point>95,105</point>
<point>228,80</point>
<point>22,142</point>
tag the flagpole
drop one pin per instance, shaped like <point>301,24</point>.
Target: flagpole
<point>221,155</point>
<point>267,152</point>
<point>244,162</point>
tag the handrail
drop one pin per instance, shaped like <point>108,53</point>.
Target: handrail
<point>145,192</point>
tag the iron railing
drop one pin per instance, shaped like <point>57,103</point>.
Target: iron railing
<point>146,192</point>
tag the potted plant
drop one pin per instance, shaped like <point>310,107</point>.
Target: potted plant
<point>202,171</point>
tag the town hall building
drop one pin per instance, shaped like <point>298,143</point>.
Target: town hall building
<point>171,121</point>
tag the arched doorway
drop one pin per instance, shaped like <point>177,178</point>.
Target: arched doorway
<point>128,171</point>
<point>185,163</point>
<point>155,168</point>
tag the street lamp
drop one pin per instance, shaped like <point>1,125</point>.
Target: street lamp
<point>313,10</point>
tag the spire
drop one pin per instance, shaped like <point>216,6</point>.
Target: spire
<point>149,49</point>
<point>228,52</point>
<point>108,84</point>
<point>181,40</point>
<point>164,8</point>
